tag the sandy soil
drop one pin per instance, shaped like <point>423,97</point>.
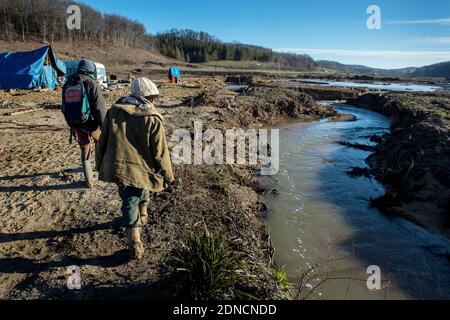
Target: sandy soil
<point>48,220</point>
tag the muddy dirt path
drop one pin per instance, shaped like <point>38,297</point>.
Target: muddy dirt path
<point>48,221</point>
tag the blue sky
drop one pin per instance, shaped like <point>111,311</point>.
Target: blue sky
<point>413,32</point>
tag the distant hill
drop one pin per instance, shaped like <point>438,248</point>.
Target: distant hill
<point>358,69</point>
<point>441,70</point>
<point>200,47</point>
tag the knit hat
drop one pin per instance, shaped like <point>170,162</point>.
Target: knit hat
<point>143,87</point>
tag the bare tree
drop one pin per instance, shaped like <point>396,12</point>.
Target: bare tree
<point>46,20</point>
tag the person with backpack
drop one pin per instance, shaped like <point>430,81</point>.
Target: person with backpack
<point>84,109</point>
<point>132,152</point>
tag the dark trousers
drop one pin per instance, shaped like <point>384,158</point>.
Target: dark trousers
<point>132,200</point>
<point>86,141</point>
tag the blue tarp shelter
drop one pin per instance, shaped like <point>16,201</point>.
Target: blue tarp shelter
<point>30,70</point>
<point>175,72</point>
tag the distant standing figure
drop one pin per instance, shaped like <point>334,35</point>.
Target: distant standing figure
<point>83,106</point>
<point>132,152</point>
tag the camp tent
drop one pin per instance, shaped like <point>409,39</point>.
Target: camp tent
<point>30,70</point>
<point>175,72</point>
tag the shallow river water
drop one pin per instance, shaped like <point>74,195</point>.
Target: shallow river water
<point>384,86</point>
<point>321,216</point>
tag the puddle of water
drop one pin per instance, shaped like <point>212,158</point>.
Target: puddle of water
<point>236,86</point>
<point>320,215</point>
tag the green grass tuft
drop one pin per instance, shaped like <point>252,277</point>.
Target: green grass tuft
<point>206,266</point>
<point>282,279</point>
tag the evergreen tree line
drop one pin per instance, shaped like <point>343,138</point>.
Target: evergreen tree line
<point>200,47</point>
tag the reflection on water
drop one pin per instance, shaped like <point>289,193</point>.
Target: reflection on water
<point>320,215</point>
<point>384,86</point>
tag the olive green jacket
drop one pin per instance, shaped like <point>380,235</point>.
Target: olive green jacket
<point>132,150</point>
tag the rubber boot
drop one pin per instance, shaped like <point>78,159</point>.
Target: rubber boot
<point>143,214</point>
<point>88,173</point>
<point>135,246</point>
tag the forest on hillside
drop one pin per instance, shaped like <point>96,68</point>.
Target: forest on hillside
<point>45,20</point>
<point>199,47</point>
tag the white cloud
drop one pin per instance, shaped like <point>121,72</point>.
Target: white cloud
<point>370,53</point>
<point>444,21</point>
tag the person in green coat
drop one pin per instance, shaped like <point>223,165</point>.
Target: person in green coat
<point>132,152</point>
